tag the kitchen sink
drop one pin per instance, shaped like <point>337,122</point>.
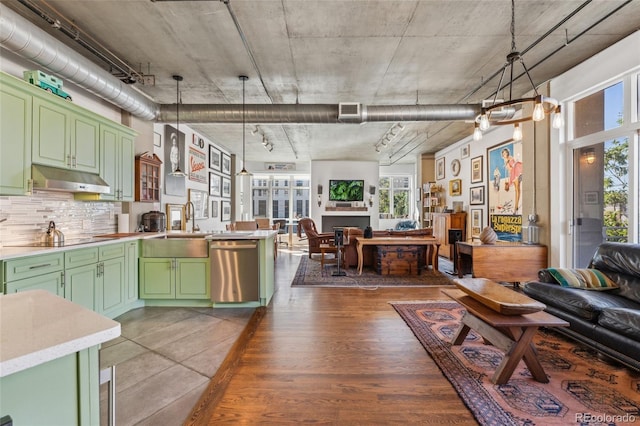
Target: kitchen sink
<point>175,247</point>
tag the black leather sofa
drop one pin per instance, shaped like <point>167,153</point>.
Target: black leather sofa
<point>608,321</point>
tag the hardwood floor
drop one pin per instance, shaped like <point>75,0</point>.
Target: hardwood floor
<point>331,356</point>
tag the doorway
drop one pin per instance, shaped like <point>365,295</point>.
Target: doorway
<point>600,197</point>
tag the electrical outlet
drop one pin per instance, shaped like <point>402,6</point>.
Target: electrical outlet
<point>149,80</point>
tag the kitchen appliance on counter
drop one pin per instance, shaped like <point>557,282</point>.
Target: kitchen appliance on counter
<point>234,271</point>
<point>153,221</point>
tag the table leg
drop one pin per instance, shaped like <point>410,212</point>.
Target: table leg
<point>513,356</point>
<point>359,250</point>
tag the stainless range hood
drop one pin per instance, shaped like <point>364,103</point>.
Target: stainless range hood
<point>55,179</point>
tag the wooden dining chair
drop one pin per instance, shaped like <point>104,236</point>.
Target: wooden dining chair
<point>263,223</point>
<point>248,225</point>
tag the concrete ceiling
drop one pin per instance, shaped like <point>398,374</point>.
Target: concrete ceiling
<point>315,52</point>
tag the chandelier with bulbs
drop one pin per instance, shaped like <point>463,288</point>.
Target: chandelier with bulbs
<point>501,113</point>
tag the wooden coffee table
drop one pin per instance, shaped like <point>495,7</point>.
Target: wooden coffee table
<point>512,334</point>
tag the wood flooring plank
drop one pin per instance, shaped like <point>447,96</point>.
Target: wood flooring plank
<point>334,356</point>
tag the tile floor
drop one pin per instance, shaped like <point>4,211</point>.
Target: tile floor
<point>166,356</point>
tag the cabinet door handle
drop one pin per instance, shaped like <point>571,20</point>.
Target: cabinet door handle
<point>74,161</point>
<point>62,279</point>
<point>68,160</point>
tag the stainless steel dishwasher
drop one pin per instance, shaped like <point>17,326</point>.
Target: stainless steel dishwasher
<point>235,266</point>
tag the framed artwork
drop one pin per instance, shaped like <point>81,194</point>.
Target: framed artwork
<point>214,158</point>
<point>476,223</point>
<point>200,200</point>
<point>214,208</point>
<point>175,217</point>
<point>464,151</point>
<point>591,197</point>
<point>440,168</point>
<point>157,139</point>
<point>226,211</point>
<point>197,166</point>
<point>476,195</point>
<point>226,187</point>
<point>455,187</point>
<point>215,184</point>
<point>174,153</point>
<point>476,169</point>
<point>198,141</point>
<point>226,164</point>
<point>504,199</point>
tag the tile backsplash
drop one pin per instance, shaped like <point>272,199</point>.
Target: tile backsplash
<point>27,217</point>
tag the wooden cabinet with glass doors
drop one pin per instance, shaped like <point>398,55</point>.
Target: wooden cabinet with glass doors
<point>148,178</point>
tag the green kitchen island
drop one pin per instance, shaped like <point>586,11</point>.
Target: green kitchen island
<point>49,370</point>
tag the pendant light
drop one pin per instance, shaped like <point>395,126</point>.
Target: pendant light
<point>244,171</point>
<point>177,172</point>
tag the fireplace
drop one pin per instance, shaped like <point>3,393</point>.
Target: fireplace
<point>330,222</point>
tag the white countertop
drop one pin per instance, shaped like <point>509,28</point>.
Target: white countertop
<point>37,326</point>
<point>259,234</point>
<point>7,253</point>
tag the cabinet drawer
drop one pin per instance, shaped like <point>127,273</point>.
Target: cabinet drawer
<point>80,257</point>
<point>33,266</point>
<point>111,251</point>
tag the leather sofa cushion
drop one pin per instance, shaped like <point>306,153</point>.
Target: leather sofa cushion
<point>622,320</point>
<point>621,263</point>
<point>584,304</point>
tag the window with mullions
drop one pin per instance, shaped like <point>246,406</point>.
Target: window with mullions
<point>394,193</point>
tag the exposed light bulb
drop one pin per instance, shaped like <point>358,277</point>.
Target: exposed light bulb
<point>484,122</point>
<point>558,121</point>
<point>517,132</point>
<point>477,133</point>
<point>538,111</point>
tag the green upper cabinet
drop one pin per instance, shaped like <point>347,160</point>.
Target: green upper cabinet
<point>40,128</point>
<point>116,165</point>
<point>15,138</point>
<point>64,138</point>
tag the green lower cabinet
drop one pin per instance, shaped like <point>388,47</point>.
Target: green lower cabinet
<point>64,391</point>
<point>53,282</point>
<point>131,272</point>
<point>110,286</point>
<point>174,278</point>
<point>80,285</point>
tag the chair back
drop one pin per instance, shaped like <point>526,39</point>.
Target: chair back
<point>249,225</point>
<point>308,226</point>
<point>263,223</point>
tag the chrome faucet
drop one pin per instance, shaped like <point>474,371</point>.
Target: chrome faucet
<point>190,214</point>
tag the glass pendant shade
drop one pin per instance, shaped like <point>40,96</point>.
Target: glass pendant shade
<point>538,112</point>
<point>558,121</point>
<point>484,122</point>
<point>517,132</point>
<point>477,133</point>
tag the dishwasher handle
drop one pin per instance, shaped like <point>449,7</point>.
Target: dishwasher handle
<point>234,247</point>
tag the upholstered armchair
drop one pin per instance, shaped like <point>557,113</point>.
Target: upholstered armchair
<point>314,238</point>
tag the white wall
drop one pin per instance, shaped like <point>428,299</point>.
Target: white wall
<point>323,171</point>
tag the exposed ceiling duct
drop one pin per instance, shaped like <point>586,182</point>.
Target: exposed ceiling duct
<point>26,40</point>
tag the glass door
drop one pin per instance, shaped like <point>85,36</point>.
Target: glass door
<point>600,197</point>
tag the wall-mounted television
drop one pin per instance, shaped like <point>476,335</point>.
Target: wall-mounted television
<point>346,190</point>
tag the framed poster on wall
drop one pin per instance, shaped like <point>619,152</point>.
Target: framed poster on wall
<point>504,174</point>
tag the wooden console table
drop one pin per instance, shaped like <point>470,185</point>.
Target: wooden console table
<point>503,261</point>
<point>398,241</point>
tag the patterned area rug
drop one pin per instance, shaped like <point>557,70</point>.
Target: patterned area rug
<point>582,388</point>
<point>310,273</point>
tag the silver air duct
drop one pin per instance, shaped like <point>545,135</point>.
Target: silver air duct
<point>319,113</point>
<point>26,40</point>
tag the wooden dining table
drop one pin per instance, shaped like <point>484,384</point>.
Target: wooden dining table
<point>397,241</point>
